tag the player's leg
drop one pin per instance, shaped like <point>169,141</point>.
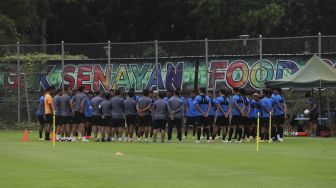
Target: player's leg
<point>170,129</point>
<point>178,125</point>
<point>41,121</point>
<point>199,129</point>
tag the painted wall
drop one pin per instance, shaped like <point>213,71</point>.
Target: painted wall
<point>173,73</point>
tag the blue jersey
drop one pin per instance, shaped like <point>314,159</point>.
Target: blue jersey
<point>224,103</point>
<point>203,101</point>
<point>166,98</point>
<point>246,104</point>
<point>136,98</point>
<point>237,99</point>
<point>192,111</point>
<point>88,108</point>
<point>40,107</point>
<point>266,107</point>
<point>278,104</point>
<point>255,108</point>
<point>213,107</point>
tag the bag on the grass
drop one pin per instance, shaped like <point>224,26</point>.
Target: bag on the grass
<point>325,132</point>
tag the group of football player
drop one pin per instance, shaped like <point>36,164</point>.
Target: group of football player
<point>117,116</point>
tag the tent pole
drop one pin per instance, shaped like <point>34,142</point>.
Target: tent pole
<point>328,108</point>
<point>320,115</point>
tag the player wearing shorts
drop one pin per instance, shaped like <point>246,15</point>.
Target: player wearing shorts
<point>313,113</point>
<point>106,109</point>
<point>67,114</point>
<point>144,112</point>
<point>176,110</point>
<point>78,104</point>
<point>118,115</point>
<point>40,115</point>
<point>280,114</point>
<point>237,106</point>
<point>131,115</point>
<point>191,114</point>
<point>223,113</point>
<point>266,108</point>
<point>48,111</point>
<point>246,111</point>
<point>96,115</point>
<point>212,113</point>
<point>160,116</point>
<point>203,105</point>
<point>58,114</point>
<point>88,114</point>
<point>253,115</point>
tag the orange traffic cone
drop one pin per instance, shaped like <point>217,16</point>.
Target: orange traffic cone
<point>25,136</point>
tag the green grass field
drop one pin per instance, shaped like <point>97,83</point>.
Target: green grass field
<point>298,162</point>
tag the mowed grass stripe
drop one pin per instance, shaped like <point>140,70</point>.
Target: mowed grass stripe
<point>298,162</point>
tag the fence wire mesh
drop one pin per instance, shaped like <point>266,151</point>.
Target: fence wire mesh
<point>184,65</point>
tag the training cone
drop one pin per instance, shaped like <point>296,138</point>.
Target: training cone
<point>25,136</point>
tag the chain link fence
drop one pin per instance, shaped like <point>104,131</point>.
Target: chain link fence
<point>26,70</point>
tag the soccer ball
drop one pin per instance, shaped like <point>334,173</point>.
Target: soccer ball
<point>306,112</point>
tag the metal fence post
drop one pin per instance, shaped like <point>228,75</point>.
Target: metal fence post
<point>27,97</point>
<point>18,83</point>
<point>319,44</point>
<point>109,64</point>
<point>260,63</point>
<point>157,65</point>
<point>206,65</point>
<point>62,59</point>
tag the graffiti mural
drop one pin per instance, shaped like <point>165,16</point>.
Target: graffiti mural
<point>179,74</point>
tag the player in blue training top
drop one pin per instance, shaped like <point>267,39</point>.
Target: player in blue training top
<point>246,111</point>
<point>40,115</point>
<point>266,109</point>
<point>237,106</point>
<point>191,114</point>
<point>223,112</point>
<point>203,105</point>
<point>253,115</point>
<point>88,114</point>
<point>280,114</point>
<point>212,113</point>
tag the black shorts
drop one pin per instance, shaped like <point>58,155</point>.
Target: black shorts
<point>131,120</point>
<point>191,121</point>
<point>177,122</point>
<point>222,121</point>
<point>279,120</point>
<point>245,121</point>
<point>40,119</point>
<point>237,120</point>
<point>211,120</point>
<point>96,120</point>
<point>202,121</point>
<point>145,121</point>
<point>78,118</point>
<point>88,119</point>
<point>58,120</point>
<point>264,122</point>
<point>49,118</point>
<point>107,121</point>
<point>118,123</point>
<point>66,119</point>
<point>253,121</point>
<point>313,117</point>
<point>159,124</point>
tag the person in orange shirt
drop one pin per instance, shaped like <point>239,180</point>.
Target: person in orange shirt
<point>48,111</point>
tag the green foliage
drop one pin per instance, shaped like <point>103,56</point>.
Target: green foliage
<point>147,20</point>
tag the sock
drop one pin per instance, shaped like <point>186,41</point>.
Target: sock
<point>199,133</point>
<point>207,133</point>
<point>240,134</point>
<point>47,135</point>
<point>230,134</point>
